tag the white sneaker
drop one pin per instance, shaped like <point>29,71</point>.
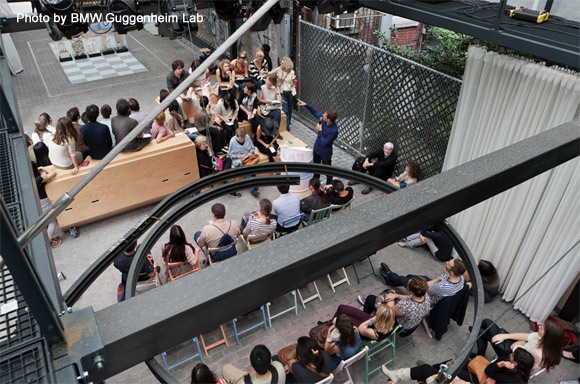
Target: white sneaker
<point>361,300</point>
<point>403,243</point>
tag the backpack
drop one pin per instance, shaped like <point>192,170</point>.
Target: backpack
<point>358,164</point>
<point>226,239</point>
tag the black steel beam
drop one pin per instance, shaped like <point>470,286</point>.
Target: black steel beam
<point>555,43</point>
<point>26,278</point>
<point>195,304</point>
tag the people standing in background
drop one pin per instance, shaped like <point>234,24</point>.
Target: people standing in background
<point>287,87</point>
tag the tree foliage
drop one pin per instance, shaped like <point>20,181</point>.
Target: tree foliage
<point>442,50</point>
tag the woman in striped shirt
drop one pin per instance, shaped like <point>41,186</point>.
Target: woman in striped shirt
<point>260,223</point>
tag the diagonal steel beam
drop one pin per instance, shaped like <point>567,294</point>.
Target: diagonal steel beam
<point>195,304</point>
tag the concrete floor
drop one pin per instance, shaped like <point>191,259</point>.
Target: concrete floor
<point>42,86</point>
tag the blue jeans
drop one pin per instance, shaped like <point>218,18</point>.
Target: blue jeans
<point>288,105</point>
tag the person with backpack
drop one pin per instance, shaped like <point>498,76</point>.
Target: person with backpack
<point>218,233</point>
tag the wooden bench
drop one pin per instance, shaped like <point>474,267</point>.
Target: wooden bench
<point>131,180</point>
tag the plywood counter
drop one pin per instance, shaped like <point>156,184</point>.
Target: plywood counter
<point>131,180</point>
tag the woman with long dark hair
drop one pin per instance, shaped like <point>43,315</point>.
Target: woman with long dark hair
<point>178,250</point>
<point>515,370</point>
<point>201,374</point>
<point>342,340</point>
<point>489,277</point>
<point>546,345</point>
<point>316,200</point>
<point>42,176</point>
<point>226,112</point>
<point>311,363</point>
<point>61,149</point>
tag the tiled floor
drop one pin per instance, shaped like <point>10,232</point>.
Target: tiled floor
<point>44,87</point>
<point>101,67</point>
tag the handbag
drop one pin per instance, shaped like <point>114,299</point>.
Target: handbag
<point>284,353</point>
<point>319,333</point>
<point>251,160</point>
<point>477,367</point>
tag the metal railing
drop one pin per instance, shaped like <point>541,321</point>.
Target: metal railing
<point>379,97</point>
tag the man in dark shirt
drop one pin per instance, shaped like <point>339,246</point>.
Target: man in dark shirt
<point>123,264</point>
<point>176,76</point>
<point>96,135</point>
<point>327,132</point>
<point>122,125</point>
<point>380,164</point>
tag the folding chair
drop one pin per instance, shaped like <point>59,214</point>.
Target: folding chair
<point>263,322</point>
<point>375,347</point>
<point>303,301</point>
<point>146,285</point>
<point>251,241</point>
<point>360,261</point>
<point>340,207</point>
<point>221,341</point>
<point>327,380</point>
<point>170,275</point>
<point>317,215</point>
<point>169,367</point>
<point>345,364</point>
<point>293,228</point>
<point>334,284</point>
<point>210,251</point>
<point>292,308</point>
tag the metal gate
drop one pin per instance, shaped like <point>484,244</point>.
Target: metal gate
<point>379,97</point>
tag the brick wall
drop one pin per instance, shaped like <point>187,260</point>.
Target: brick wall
<point>409,37</point>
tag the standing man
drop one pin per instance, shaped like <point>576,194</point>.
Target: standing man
<point>327,132</point>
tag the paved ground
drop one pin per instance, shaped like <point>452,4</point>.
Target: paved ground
<point>44,87</point>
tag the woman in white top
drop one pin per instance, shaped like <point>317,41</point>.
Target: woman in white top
<point>41,132</point>
<point>61,149</point>
<point>270,100</point>
<point>226,112</point>
<point>202,81</point>
<point>545,346</point>
<point>410,176</point>
<point>287,86</point>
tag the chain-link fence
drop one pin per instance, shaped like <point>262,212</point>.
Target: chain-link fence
<point>379,97</point>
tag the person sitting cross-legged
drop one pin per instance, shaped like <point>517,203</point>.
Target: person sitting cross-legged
<point>445,285</point>
<point>266,137</point>
<point>218,234</point>
<point>380,164</point>
<point>264,370</point>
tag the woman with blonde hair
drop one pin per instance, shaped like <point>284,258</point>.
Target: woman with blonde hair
<point>61,149</point>
<point>287,87</point>
<point>240,68</point>
<point>41,132</point>
<point>225,79</point>
<point>258,69</point>
<point>376,327</point>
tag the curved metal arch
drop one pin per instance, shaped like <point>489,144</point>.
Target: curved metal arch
<point>159,228</point>
<point>80,286</point>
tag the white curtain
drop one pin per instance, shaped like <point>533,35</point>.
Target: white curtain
<point>526,229</point>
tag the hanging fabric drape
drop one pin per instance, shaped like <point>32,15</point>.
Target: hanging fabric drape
<point>525,230</point>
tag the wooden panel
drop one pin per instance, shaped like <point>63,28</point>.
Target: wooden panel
<point>131,180</point>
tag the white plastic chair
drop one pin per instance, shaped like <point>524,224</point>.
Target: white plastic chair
<point>345,364</point>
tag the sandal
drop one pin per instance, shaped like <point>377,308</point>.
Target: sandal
<point>55,242</point>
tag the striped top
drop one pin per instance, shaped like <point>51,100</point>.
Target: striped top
<point>254,71</point>
<point>444,288</point>
<point>254,227</point>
